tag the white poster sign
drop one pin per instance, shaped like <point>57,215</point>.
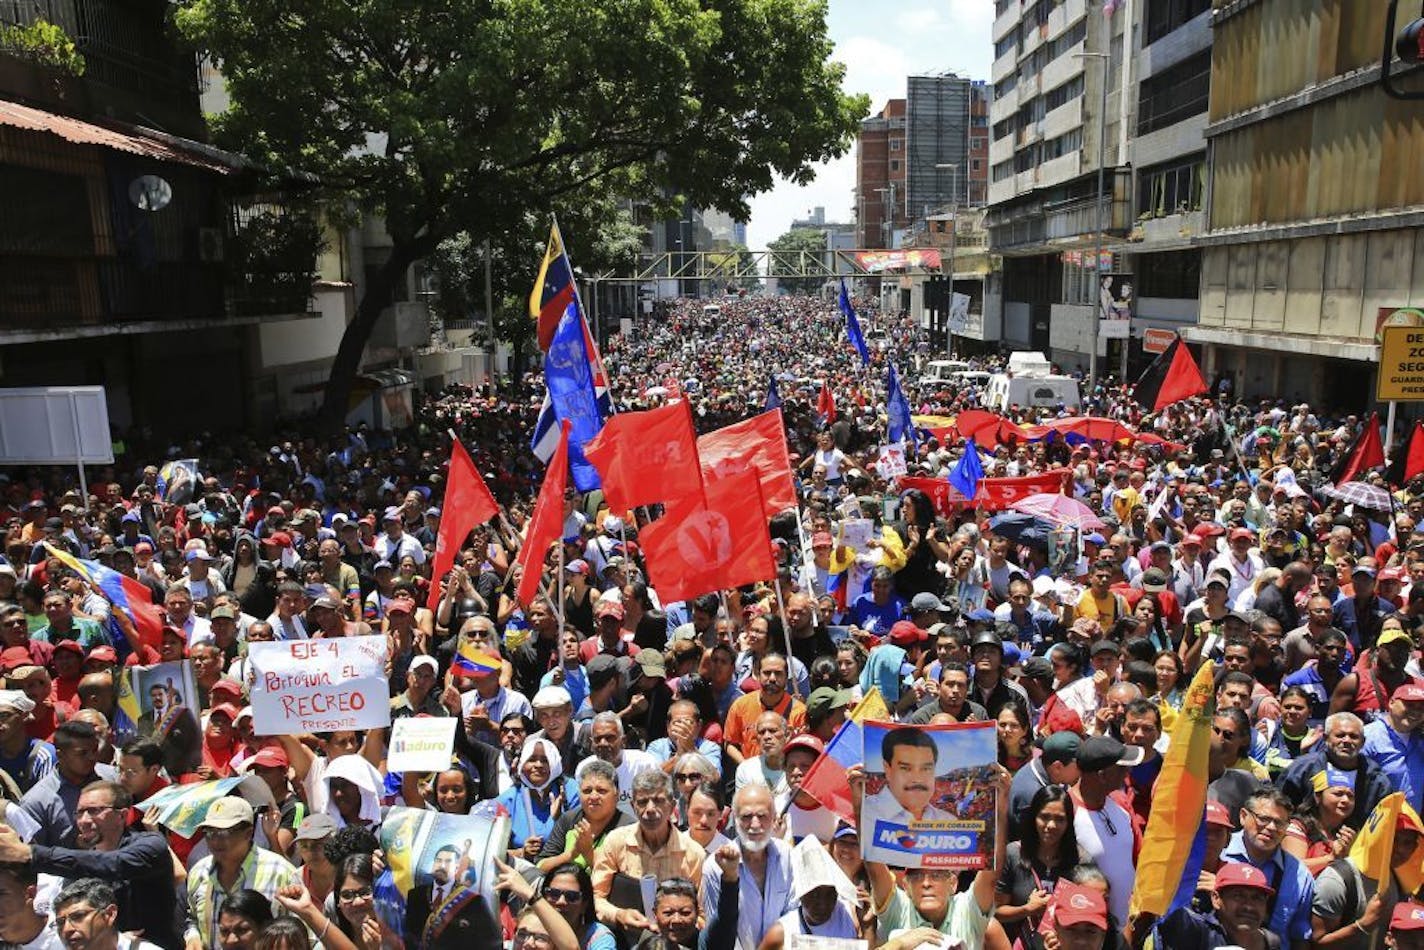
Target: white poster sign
<point>319,685</point>
<point>421,744</point>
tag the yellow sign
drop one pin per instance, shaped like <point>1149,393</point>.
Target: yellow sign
<point>1401,365</point>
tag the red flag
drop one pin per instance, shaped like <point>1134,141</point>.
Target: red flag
<point>995,494</point>
<point>826,402</point>
<point>696,548</point>
<point>148,619</point>
<point>1172,377</point>
<point>546,524</point>
<point>468,503</point>
<point>759,443</point>
<point>1408,462</point>
<point>647,457</point>
<point>1368,453</point>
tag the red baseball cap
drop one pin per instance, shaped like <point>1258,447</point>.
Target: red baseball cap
<point>1216,814</point>
<point>227,709</point>
<point>279,538</point>
<point>269,757</point>
<point>1238,533</point>
<point>1192,540</point>
<point>12,657</point>
<point>1408,915</point>
<point>1076,904</point>
<point>905,633</point>
<point>1409,693</point>
<point>400,605</point>
<point>1238,874</point>
<point>104,654</point>
<point>71,645</point>
<point>805,741</point>
<point>1061,719</point>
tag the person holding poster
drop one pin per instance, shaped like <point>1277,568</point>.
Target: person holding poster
<point>928,898</point>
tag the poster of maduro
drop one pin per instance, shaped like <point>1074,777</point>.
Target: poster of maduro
<point>929,795</point>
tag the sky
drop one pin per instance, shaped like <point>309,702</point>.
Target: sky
<point>880,42</point>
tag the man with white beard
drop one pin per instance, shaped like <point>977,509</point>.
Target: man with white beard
<point>764,879</point>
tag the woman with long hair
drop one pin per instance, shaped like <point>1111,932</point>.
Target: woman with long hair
<point>1015,735</point>
<point>570,890</point>
<point>356,915</point>
<point>1318,835</point>
<point>1170,688</point>
<point>1033,864</point>
<point>450,792</point>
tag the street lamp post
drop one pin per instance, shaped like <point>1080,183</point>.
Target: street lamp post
<point>953,247</point>
<point>1101,224</point>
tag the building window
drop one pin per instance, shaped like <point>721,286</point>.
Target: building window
<point>1062,95</point>
<point>1174,274</point>
<point>976,165</point>
<point>1172,188</point>
<point>1079,277</point>
<point>978,144</point>
<point>1008,44</point>
<point>1062,44</point>
<point>1006,85</point>
<point>1174,94</point>
<point>894,164</point>
<point>1003,170</point>
<point>895,145</point>
<point>1064,144</point>
<point>1164,16</point>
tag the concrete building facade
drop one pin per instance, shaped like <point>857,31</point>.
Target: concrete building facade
<point>1315,229</point>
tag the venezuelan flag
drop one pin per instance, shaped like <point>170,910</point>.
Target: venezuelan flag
<point>1174,844</point>
<point>125,594</point>
<point>471,662</point>
<point>825,780</point>
<point>553,290</point>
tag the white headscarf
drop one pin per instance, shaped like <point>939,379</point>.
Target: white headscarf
<point>551,752</point>
<point>356,770</point>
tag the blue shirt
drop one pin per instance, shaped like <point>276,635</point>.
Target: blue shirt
<point>1295,888</point>
<point>662,750</point>
<point>866,614</point>
<point>1400,758</point>
<point>575,681</point>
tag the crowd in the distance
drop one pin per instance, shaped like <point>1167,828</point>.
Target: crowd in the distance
<point>648,755</point>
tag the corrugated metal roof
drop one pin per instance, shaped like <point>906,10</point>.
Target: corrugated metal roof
<point>134,142</point>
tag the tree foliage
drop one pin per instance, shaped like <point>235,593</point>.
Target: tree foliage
<point>483,116</point>
<point>791,246</point>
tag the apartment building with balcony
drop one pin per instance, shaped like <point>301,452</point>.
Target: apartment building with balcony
<point>1315,230</point>
<point>132,254</point>
<point>1059,84</point>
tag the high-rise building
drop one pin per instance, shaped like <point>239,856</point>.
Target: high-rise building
<point>1063,97</point>
<point>938,119</point>
<point>880,170</point>
<point>1314,232</point>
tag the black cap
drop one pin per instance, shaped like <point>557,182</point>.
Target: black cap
<point>986,638</point>
<point>1105,646</point>
<point>1102,752</point>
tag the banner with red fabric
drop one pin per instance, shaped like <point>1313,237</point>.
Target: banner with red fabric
<point>468,503</point>
<point>647,457</point>
<point>757,443</point>
<point>696,547</point>
<point>546,524</point>
<point>995,494</point>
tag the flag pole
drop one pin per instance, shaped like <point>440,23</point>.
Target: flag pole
<point>597,354</point>
<point>561,588</point>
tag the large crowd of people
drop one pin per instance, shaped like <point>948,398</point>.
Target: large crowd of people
<point>647,755</point>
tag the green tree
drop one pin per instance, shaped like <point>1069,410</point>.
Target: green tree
<point>484,116</point>
<point>799,248</point>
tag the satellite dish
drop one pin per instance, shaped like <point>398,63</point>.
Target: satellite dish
<point>150,193</point>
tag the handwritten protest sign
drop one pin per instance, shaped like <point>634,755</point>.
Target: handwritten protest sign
<point>319,685</point>
<point>891,463</point>
<point>929,795</point>
<point>421,745</point>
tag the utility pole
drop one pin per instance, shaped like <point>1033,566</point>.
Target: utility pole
<point>953,247</point>
<point>1097,296</point>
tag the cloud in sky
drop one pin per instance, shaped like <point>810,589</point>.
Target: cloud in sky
<point>879,51</point>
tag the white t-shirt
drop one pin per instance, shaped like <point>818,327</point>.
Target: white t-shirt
<point>1105,838</point>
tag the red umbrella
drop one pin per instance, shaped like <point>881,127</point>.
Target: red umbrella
<point>1060,510</point>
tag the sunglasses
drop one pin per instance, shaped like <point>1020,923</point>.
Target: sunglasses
<point>563,894</point>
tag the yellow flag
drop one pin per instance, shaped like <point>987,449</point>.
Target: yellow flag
<point>872,706</point>
<point>1373,850</point>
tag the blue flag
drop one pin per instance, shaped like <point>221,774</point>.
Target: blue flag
<point>857,340</point>
<point>897,407</point>
<point>968,471</point>
<point>773,398</point>
<point>569,375</point>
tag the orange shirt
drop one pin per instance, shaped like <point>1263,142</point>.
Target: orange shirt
<point>740,727</point>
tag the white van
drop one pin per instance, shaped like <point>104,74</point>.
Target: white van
<point>711,310</point>
<point>1004,391</point>
<point>1029,382</point>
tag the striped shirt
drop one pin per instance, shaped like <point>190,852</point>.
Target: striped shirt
<point>263,871</point>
